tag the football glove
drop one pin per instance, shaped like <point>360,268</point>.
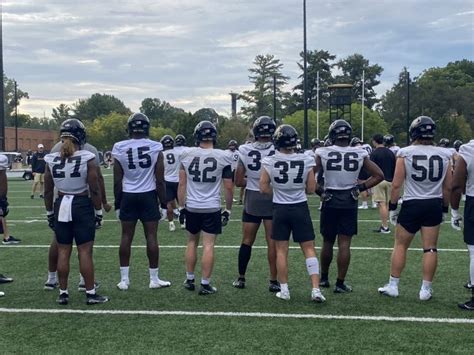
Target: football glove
<point>326,196</point>
<point>98,219</point>
<point>456,219</point>
<point>225,215</point>
<point>182,215</point>
<point>50,216</point>
<point>393,213</point>
<point>4,207</point>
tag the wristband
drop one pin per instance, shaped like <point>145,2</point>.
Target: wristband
<point>392,206</point>
<point>49,213</point>
<point>362,187</point>
<point>445,209</point>
<point>98,212</point>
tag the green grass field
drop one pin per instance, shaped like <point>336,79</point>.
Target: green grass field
<point>174,320</point>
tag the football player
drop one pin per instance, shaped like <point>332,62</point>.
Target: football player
<point>233,151</point>
<point>203,169</point>
<point>463,179</point>
<point>287,177</point>
<point>52,283</point>
<point>421,169</point>
<point>138,183</point>
<point>172,156</point>
<point>73,172</point>
<point>363,175</point>
<point>389,142</point>
<point>341,164</point>
<point>258,207</point>
<point>3,204</point>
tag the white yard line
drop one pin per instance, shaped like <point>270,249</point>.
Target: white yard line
<point>241,315</point>
<point>20,246</point>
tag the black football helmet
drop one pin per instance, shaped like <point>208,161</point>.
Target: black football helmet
<point>315,142</point>
<point>138,123</point>
<point>180,140</point>
<point>263,126</point>
<point>444,142</point>
<point>205,131</point>
<point>232,143</point>
<point>167,141</point>
<point>75,129</point>
<point>457,144</point>
<point>285,136</point>
<point>422,127</point>
<point>355,141</point>
<point>340,129</point>
<point>388,140</point>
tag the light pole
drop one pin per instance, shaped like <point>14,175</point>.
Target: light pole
<point>2,94</point>
<point>305,81</point>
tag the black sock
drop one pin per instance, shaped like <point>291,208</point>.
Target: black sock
<point>244,257</point>
<point>324,276</point>
<point>339,282</point>
<point>275,282</point>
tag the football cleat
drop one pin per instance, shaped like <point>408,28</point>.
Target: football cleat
<point>344,288</point>
<point>171,227</point>
<point>426,294</point>
<point>159,283</point>
<point>317,296</point>
<point>63,299</point>
<point>324,283</point>
<point>274,286</point>
<point>189,284</point>
<point>4,279</point>
<point>469,286</point>
<point>50,286</point>
<point>123,285</point>
<point>239,283</point>
<point>2,294</point>
<point>283,295</point>
<point>468,306</point>
<point>96,299</point>
<point>363,207</point>
<point>207,290</point>
<point>389,290</point>
<point>11,241</point>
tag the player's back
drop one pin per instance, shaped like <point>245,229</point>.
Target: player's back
<point>425,169</point>
<point>204,170</point>
<point>251,156</point>
<point>138,158</point>
<point>466,151</point>
<point>172,163</point>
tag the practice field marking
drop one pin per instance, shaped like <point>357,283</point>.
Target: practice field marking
<point>224,247</point>
<point>241,315</point>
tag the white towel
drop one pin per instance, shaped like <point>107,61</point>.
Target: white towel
<point>65,209</point>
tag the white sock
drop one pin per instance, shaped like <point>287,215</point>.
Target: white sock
<point>284,288</point>
<point>175,211</point>
<point>426,284</point>
<point>393,281</point>
<point>205,281</point>
<point>52,277</point>
<point>471,263</point>
<point>124,273</point>
<point>190,275</point>
<point>312,266</point>
<point>153,274</point>
<point>91,292</point>
<point>63,291</point>
<point>81,279</point>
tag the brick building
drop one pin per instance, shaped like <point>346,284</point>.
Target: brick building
<point>29,138</point>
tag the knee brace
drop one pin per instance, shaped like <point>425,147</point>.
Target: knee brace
<point>312,265</point>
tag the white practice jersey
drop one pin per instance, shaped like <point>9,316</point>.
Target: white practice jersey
<point>341,166</point>
<point>310,153</point>
<point>367,148</point>
<point>138,158</point>
<point>425,169</point>
<point>3,162</point>
<point>204,168</point>
<point>394,149</point>
<point>234,155</point>
<point>172,158</point>
<point>467,153</point>
<point>69,175</point>
<point>251,155</point>
<point>288,174</point>
<point>89,147</point>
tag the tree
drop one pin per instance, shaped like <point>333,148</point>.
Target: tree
<point>318,60</point>
<point>233,128</point>
<point>103,132</point>
<point>162,113</point>
<point>9,99</point>
<point>352,68</point>
<point>99,105</point>
<point>260,98</point>
<point>61,113</point>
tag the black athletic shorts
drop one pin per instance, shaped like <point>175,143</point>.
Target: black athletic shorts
<point>171,191</point>
<point>141,206</point>
<point>469,221</point>
<point>415,214</point>
<point>292,219</point>
<point>82,227</point>
<point>208,222</point>
<point>338,221</point>
<point>248,218</point>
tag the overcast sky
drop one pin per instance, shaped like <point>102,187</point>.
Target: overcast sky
<point>192,53</point>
